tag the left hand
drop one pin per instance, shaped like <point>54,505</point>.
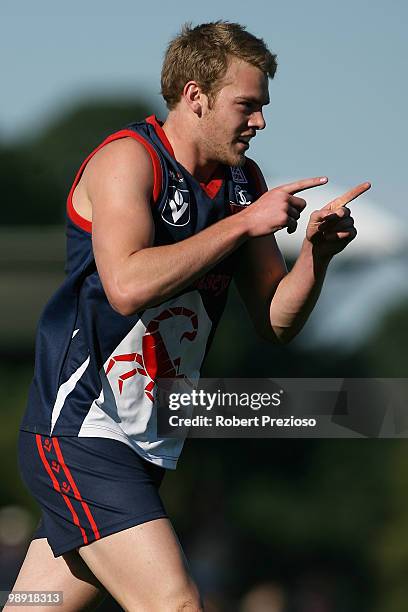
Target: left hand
<point>331,228</point>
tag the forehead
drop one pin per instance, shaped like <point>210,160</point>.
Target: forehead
<point>245,80</point>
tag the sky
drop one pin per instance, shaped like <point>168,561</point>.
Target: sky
<point>338,101</point>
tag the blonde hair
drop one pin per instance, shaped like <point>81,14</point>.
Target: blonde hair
<point>202,54</point>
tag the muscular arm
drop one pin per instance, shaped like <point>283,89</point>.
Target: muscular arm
<point>280,303</point>
<point>260,268</point>
<point>135,274</point>
<point>297,294</point>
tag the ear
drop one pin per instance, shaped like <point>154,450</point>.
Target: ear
<point>194,97</point>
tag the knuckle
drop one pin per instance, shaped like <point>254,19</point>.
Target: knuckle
<point>279,200</point>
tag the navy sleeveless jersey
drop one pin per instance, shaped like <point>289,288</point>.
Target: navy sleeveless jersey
<point>95,369</point>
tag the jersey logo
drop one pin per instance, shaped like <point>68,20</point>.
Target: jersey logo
<point>176,176</point>
<point>238,175</point>
<point>176,211</point>
<point>154,361</point>
<point>241,196</point>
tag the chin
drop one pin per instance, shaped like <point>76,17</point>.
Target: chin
<point>241,161</point>
<point>237,159</point>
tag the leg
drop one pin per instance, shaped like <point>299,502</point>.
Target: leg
<point>144,569</point>
<point>41,571</point>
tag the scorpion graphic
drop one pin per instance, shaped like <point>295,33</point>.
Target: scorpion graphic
<point>155,361</point>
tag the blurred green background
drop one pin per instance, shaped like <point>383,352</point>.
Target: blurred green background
<point>268,525</point>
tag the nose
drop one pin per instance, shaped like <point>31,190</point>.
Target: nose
<point>257,121</point>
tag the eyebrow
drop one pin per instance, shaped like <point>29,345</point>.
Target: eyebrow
<point>263,102</point>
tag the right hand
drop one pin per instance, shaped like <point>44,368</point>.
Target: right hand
<point>279,208</point>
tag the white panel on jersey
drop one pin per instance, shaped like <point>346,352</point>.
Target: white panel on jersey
<point>168,340</point>
<point>99,424</point>
<point>65,389</point>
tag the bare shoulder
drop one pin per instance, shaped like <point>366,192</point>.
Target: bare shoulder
<point>119,163</point>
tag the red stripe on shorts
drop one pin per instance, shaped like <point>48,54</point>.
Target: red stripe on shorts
<point>75,489</point>
<point>57,487</point>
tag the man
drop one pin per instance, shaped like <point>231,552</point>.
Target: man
<point>160,218</point>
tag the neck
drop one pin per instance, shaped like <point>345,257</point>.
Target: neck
<point>181,132</point>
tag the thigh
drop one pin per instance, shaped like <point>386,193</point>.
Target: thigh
<point>41,571</point>
<point>144,568</point>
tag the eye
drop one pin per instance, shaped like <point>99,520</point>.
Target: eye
<point>247,107</point>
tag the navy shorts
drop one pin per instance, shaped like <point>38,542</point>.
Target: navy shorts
<point>87,488</point>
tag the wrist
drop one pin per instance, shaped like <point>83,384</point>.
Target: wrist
<point>244,220</point>
<point>320,260</point>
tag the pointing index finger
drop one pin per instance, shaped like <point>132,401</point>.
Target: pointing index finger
<point>347,197</point>
<point>308,183</point>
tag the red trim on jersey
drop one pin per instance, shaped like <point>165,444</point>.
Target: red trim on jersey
<point>213,186</point>
<point>157,174</point>
<point>75,489</point>
<point>56,486</point>
<point>161,133</point>
<point>257,176</point>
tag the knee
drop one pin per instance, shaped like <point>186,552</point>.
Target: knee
<point>178,597</point>
<point>189,604</point>
<point>187,600</point>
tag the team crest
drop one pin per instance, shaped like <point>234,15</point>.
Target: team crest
<point>176,176</point>
<point>241,196</point>
<point>176,211</point>
<point>238,175</point>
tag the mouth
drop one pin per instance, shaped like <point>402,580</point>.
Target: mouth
<point>242,145</point>
<point>244,141</point>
